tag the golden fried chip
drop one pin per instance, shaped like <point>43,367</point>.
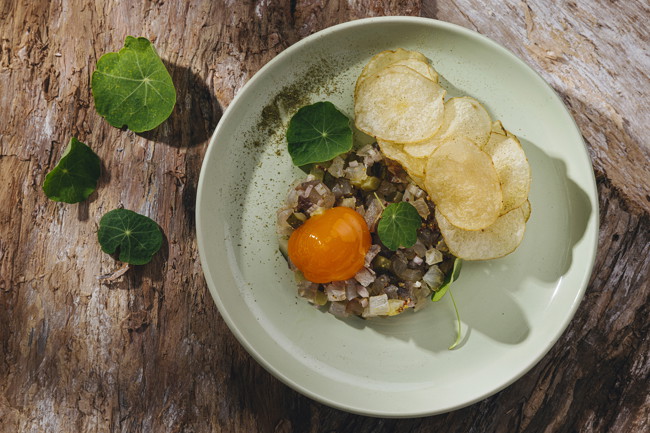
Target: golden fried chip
<point>463,183</point>
<point>424,148</point>
<point>400,105</point>
<point>421,67</point>
<point>497,240</point>
<point>497,127</point>
<point>463,117</point>
<point>400,56</point>
<point>526,209</point>
<point>512,167</point>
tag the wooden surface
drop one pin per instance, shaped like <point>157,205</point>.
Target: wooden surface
<point>150,352</point>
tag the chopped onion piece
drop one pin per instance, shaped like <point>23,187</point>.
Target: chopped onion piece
<point>321,188</point>
<point>342,188</point>
<point>373,213</point>
<point>364,302</point>
<point>433,256</point>
<point>419,249</point>
<point>335,291</point>
<point>434,277</point>
<point>421,206</point>
<point>305,193</point>
<point>415,191</point>
<point>377,306</point>
<point>307,290</point>
<point>411,275</point>
<point>362,291</point>
<point>336,168</point>
<point>351,289</point>
<point>292,198</point>
<point>395,306</point>
<point>356,173</point>
<point>315,210</point>
<point>350,202</point>
<point>371,254</point>
<point>370,155</point>
<point>365,276</point>
<point>283,227</point>
<point>338,309</point>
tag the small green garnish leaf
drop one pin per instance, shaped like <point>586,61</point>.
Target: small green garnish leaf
<point>458,330</point>
<point>75,176</point>
<point>137,237</point>
<point>446,286</point>
<point>318,133</point>
<point>132,87</point>
<point>398,226</point>
<point>450,278</point>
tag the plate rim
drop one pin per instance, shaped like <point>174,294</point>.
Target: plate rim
<point>592,193</point>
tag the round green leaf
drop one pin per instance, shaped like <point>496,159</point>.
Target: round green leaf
<point>398,226</point>
<point>137,237</point>
<point>75,176</point>
<point>132,87</point>
<point>317,133</point>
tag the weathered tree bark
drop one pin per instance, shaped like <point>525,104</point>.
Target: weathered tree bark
<point>149,351</point>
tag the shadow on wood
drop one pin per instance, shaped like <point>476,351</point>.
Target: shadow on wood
<point>195,115</point>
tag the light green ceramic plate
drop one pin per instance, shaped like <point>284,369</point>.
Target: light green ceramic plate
<point>513,309</point>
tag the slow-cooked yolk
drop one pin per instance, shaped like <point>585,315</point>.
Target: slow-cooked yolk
<point>331,246</point>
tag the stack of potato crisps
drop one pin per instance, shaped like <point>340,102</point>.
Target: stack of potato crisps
<point>473,169</point>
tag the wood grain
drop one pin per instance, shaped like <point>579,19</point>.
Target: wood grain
<point>150,352</point>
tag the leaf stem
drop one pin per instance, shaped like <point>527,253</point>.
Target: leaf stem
<point>457,319</point>
<point>379,200</point>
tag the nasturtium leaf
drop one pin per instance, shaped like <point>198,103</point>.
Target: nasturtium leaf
<point>318,133</point>
<point>398,226</point>
<point>450,278</point>
<point>136,236</point>
<point>75,176</point>
<point>132,87</point>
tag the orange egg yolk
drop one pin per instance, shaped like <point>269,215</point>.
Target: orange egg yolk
<point>331,246</point>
